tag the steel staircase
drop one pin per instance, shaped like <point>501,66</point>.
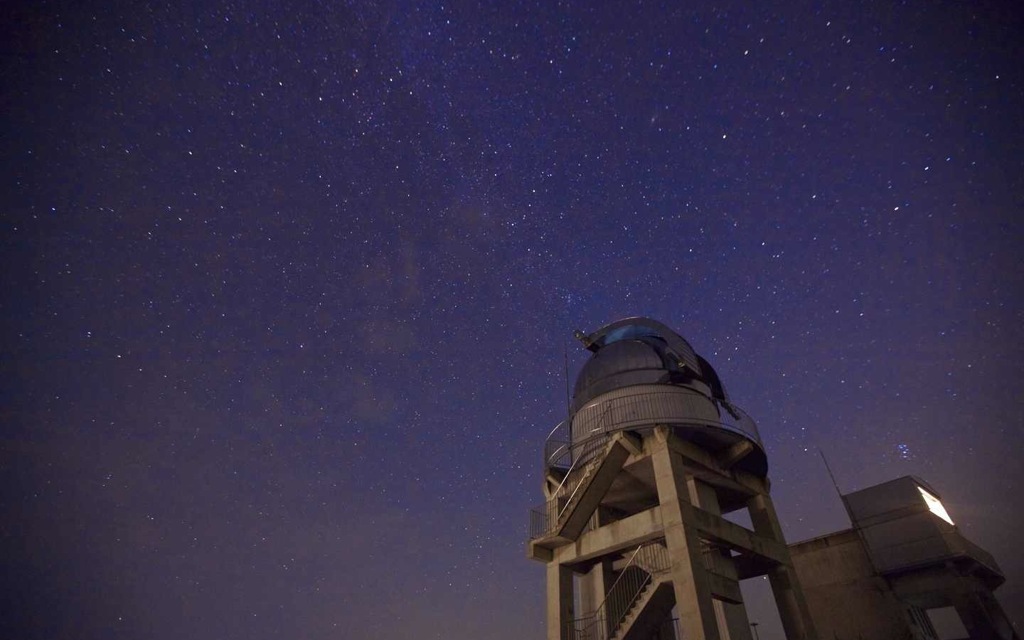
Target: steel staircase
<point>647,611</point>
<point>637,603</point>
<point>567,513</point>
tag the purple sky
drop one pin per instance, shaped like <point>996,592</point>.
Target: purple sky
<point>287,286</point>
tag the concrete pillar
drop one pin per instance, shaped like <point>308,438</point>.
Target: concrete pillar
<point>973,617</point>
<point>736,621</point>
<point>730,617</point>
<point>997,616</point>
<point>560,601</point>
<point>789,597</point>
<point>689,579</point>
<point>594,585</point>
<point>983,617</point>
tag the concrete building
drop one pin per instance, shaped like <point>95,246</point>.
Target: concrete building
<point>636,483</point>
<point>902,557</point>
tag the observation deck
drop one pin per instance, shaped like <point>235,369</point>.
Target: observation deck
<point>642,375</point>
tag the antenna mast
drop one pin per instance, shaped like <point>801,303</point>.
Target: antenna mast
<point>568,403</point>
<point>830,475</point>
<point>846,507</point>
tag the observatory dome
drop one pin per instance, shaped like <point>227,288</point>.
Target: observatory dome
<point>639,360</point>
<point>643,374</point>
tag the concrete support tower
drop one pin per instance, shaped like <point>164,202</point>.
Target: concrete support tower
<point>636,482</point>
<point>902,557</point>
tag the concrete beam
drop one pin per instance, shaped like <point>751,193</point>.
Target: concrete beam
<point>536,552</point>
<point>616,536</point>
<point>634,445</point>
<point>749,566</point>
<point>725,589</point>
<point>731,535</point>
<point>705,466</point>
<point>728,458</point>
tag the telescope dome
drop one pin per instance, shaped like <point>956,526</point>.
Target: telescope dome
<point>640,360</point>
<point>643,374</point>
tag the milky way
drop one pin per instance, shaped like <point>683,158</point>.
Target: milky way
<point>288,287</point>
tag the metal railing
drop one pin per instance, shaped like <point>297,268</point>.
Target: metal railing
<point>668,405</point>
<point>567,442</point>
<point>572,445</point>
<point>540,517</point>
<point>564,450</point>
<point>557,449</point>
<point>647,561</point>
<point>545,518</point>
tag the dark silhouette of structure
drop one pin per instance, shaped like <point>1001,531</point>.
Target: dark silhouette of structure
<point>902,557</point>
<point>636,482</point>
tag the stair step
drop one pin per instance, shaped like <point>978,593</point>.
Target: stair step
<point>636,609</point>
<point>577,494</point>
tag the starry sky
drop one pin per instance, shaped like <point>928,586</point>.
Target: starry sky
<point>288,288</point>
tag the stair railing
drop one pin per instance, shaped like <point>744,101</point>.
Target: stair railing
<point>648,560</point>
<point>545,519</point>
<point>584,455</point>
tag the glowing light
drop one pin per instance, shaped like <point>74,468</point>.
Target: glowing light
<point>935,506</point>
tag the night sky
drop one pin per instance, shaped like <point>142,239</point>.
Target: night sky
<point>288,287</point>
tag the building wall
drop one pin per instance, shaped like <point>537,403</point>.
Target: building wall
<point>846,600</point>
<point>898,527</point>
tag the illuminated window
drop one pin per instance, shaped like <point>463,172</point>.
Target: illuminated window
<point>935,506</point>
